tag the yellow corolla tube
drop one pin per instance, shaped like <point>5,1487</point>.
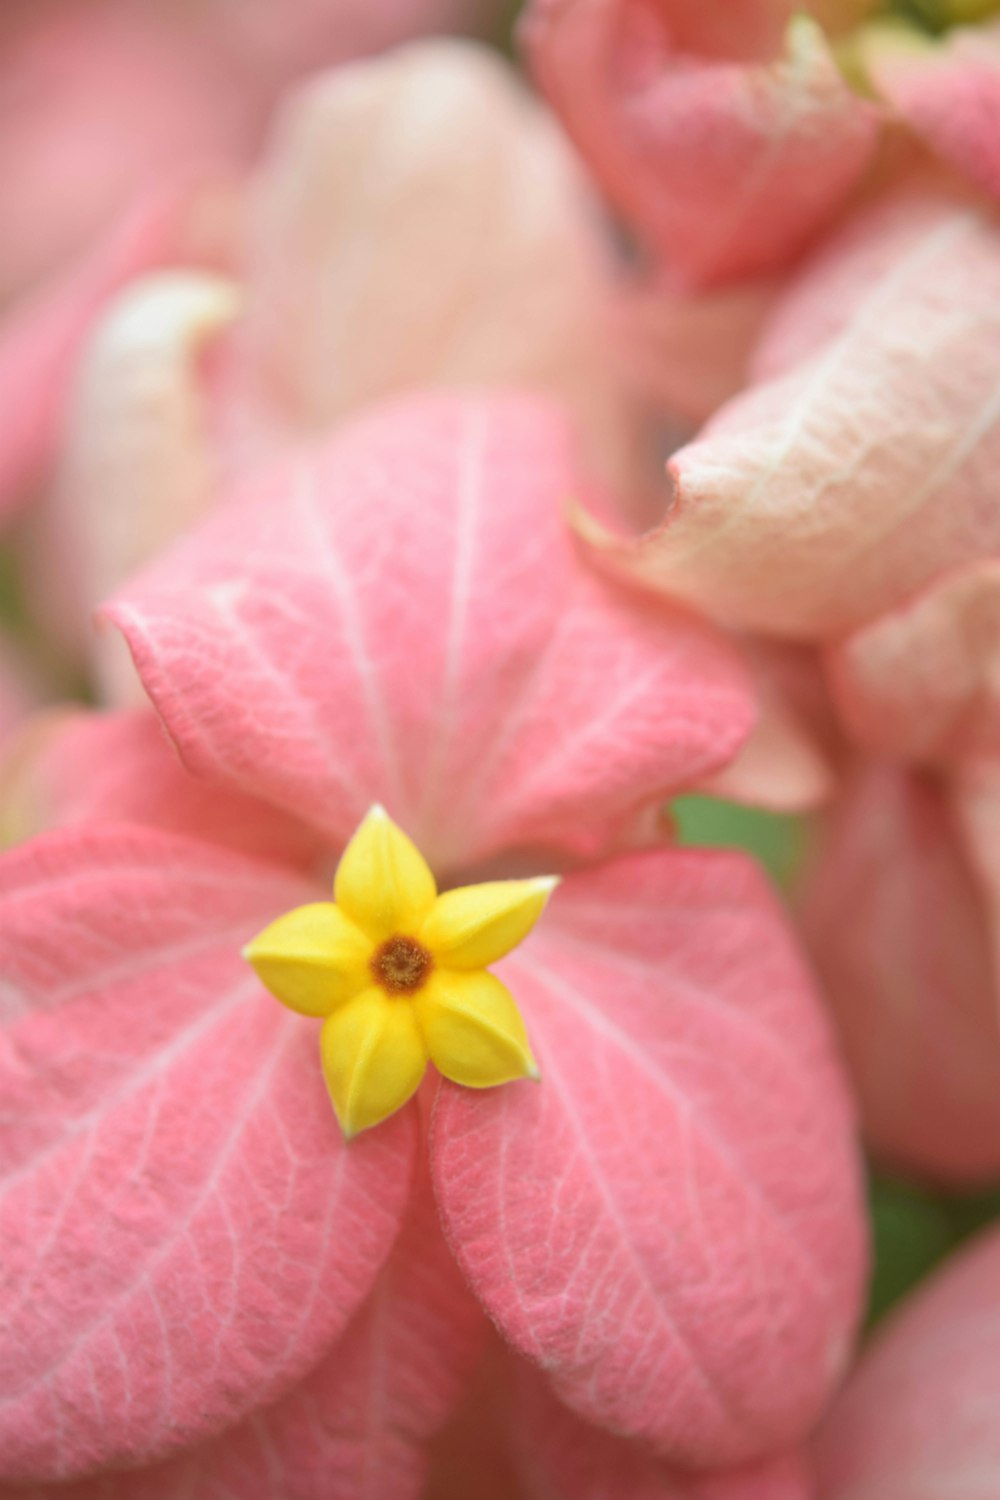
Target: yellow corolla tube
<point>400,974</point>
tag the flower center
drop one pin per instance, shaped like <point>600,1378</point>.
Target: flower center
<point>401,965</point>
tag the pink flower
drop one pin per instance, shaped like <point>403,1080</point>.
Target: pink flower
<point>668,1225</point>
<point>918,1417</point>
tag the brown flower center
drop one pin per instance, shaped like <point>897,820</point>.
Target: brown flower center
<point>401,965</point>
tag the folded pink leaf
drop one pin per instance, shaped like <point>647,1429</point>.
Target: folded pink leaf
<point>185,1233</point>
<point>862,463</point>
<point>561,1457</point>
<point>357,1426</point>
<point>401,616</point>
<point>948,92</point>
<point>917,1420</point>
<point>923,682</point>
<point>726,169</point>
<point>898,927</point>
<point>67,768</point>
<point>669,1222</point>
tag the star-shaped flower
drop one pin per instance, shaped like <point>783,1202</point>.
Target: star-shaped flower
<point>400,973</point>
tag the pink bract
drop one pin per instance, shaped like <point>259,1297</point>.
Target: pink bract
<point>358,1424</point>
<point>725,168</point>
<point>538,1188</point>
<point>185,1231</point>
<point>860,463</point>
<point>66,768</point>
<point>917,1420</point>
<point>903,939</point>
<point>401,615</point>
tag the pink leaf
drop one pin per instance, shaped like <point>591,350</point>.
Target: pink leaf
<point>918,1419</point>
<point>899,932</point>
<point>562,1457</point>
<point>358,1425</point>
<point>862,463</point>
<point>669,1222</point>
<point>184,1231</point>
<point>401,616</point>
<point>727,169</point>
<point>68,768</point>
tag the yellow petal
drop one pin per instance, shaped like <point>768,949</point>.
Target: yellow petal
<point>374,1057</point>
<point>312,958</point>
<point>475,925</point>
<point>473,1029</point>
<point>383,882</point>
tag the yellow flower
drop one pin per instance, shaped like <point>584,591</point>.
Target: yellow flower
<point>399,972</point>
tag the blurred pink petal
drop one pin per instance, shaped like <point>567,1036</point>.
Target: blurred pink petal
<point>402,616</point>
<point>137,464</point>
<point>41,340</point>
<point>71,767</point>
<point>899,932</point>
<point>176,1257</point>
<point>688,353</point>
<point>864,462</point>
<point>947,91</point>
<point>565,1458</point>
<point>974,788</point>
<point>789,763</point>
<point>466,256</point>
<point>98,102</point>
<point>727,169</point>
<point>923,682</point>
<point>918,1419</point>
<point>669,1222</point>
<point>420,220</point>
<point>275,42</point>
<point>358,1425</point>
